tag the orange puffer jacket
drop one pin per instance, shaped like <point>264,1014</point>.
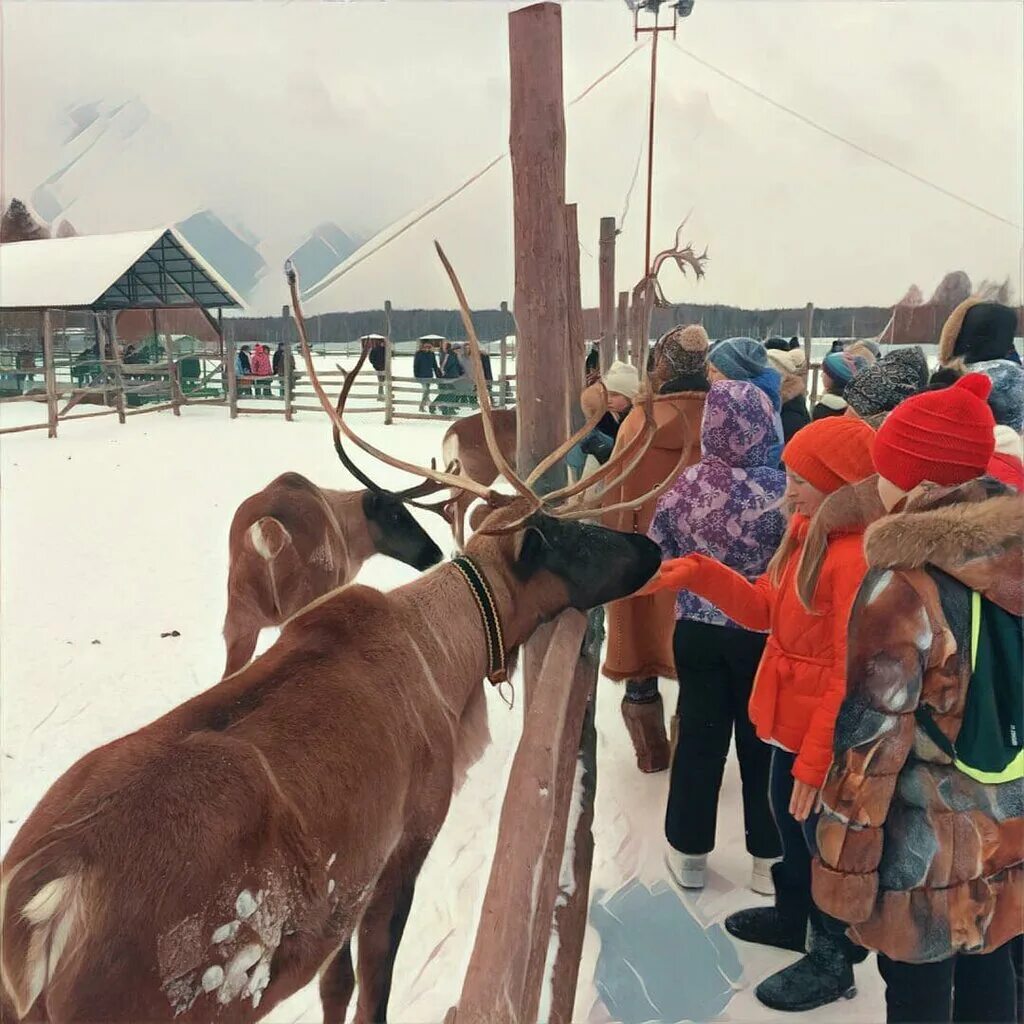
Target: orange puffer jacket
<point>801,680</point>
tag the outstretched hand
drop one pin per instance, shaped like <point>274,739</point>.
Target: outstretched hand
<point>673,574</point>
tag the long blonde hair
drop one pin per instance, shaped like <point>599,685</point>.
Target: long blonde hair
<point>783,553</point>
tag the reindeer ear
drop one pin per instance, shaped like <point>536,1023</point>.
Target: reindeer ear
<point>477,515</point>
<point>533,549</point>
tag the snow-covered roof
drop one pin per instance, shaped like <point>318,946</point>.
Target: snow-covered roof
<point>131,270</point>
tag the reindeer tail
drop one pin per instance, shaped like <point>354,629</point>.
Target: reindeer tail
<point>42,923</point>
<point>268,537</point>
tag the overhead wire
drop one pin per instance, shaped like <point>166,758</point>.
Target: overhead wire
<point>913,175</point>
<point>340,272</point>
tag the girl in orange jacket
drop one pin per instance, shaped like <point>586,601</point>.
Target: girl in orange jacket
<point>804,600</point>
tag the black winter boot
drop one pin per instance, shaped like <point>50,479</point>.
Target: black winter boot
<point>820,978</point>
<point>783,926</point>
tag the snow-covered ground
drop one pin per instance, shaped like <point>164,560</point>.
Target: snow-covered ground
<point>112,535</point>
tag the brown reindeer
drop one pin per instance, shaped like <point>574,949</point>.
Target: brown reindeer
<point>208,865</point>
<point>293,542</point>
<point>464,442</point>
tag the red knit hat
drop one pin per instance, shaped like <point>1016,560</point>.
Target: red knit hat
<point>831,452</point>
<point>946,437</point>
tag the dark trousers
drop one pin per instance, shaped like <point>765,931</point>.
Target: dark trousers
<point>794,869</point>
<point>967,989</point>
<point>716,666</point>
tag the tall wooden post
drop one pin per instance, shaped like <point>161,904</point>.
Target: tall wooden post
<point>230,364</point>
<point>49,375</point>
<point>622,328</point>
<point>389,394</point>
<point>606,280</point>
<point>537,145</point>
<point>808,327</point>
<point>503,364</point>
<point>115,362</point>
<point>286,337</point>
<point>576,340</point>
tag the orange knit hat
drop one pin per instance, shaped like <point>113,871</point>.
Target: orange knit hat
<point>945,436</point>
<point>831,452</point>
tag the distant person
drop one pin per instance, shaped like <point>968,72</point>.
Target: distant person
<point>451,371</point>
<point>243,369</point>
<point>791,366</point>
<point>283,363</point>
<point>837,370</point>
<point>426,370</point>
<point>262,370</point>
<point>379,360</point>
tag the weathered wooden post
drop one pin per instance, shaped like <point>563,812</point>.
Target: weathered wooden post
<point>503,364</point>
<point>622,328</point>
<point>389,395</point>
<point>115,362</point>
<point>808,328</point>
<point>576,363</point>
<point>49,375</point>
<point>230,364</point>
<point>606,294</point>
<point>286,361</point>
<point>537,145</point>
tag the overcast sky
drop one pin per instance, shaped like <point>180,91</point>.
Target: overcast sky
<point>280,117</point>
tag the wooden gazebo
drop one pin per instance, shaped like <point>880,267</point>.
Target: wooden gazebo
<point>92,280</point>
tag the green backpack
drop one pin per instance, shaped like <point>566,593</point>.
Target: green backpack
<point>990,745</point>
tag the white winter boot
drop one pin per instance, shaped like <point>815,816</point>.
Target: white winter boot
<point>761,876</point>
<point>687,870</point>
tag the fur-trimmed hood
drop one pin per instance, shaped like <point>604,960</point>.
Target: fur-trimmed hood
<point>974,533</point>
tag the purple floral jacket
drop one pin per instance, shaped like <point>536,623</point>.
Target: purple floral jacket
<point>728,505</point>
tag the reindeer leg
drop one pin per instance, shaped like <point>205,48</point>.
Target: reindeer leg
<point>381,929</point>
<point>336,984</point>
<point>240,639</point>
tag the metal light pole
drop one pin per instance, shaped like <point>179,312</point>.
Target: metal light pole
<point>681,9</point>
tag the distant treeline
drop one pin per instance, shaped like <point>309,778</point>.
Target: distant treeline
<point>492,324</point>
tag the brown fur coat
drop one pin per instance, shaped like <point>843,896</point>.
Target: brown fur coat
<point>921,860</point>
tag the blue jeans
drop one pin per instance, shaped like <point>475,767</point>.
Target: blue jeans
<point>596,443</point>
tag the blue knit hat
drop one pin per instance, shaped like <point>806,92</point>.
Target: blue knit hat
<point>843,367</point>
<point>739,358</point>
<point>1006,399</point>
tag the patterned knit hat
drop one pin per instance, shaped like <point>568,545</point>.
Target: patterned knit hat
<point>1007,398</point>
<point>843,367</point>
<point>946,437</point>
<point>881,387</point>
<point>831,452</point>
<point>684,349</point>
<point>739,358</point>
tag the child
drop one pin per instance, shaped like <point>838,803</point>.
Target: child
<point>799,686</point>
<point>727,506</point>
<point>921,856</point>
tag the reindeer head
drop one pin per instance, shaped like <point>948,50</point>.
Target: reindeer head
<point>526,536</point>
<point>561,563</point>
<point>395,532</point>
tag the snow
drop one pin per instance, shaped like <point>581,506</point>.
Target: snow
<point>112,535</point>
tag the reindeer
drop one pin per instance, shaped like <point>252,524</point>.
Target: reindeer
<point>208,865</point>
<point>464,442</point>
<point>293,542</point>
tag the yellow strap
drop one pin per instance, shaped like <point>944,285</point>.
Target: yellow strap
<point>1014,770</point>
<point>975,626</point>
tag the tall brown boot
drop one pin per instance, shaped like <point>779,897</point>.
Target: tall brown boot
<point>646,726</point>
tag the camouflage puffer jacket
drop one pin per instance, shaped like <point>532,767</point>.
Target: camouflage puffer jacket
<point>921,860</point>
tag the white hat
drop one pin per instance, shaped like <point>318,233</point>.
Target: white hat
<point>622,379</point>
<point>793,361</point>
